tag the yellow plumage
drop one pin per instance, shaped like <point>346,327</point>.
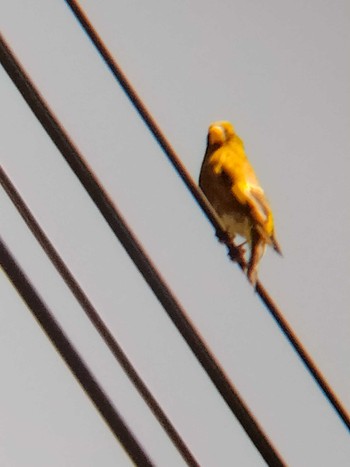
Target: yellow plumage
<point>230,184</point>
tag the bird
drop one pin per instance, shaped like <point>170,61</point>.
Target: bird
<point>229,182</point>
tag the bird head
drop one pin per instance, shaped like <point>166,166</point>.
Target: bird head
<point>219,133</point>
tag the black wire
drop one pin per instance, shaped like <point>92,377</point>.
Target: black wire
<point>95,318</point>
<point>138,256</point>
<point>70,355</point>
<point>234,253</point>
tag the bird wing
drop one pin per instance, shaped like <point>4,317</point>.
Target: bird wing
<point>261,212</point>
<point>233,164</point>
<point>253,196</point>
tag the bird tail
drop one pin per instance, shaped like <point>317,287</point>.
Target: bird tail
<point>275,245</point>
<point>270,239</point>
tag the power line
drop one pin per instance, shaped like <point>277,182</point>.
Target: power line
<point>95,318</point>
<point>70,355</point>
<point>138,256</point>
<point>234,253</point>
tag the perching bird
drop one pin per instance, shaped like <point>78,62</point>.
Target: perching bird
<point>230,184</point>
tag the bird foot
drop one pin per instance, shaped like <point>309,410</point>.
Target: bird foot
<point>236,252</point>
<point>223,237</point>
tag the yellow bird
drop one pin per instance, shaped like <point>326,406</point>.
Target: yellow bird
<point>229,182</point>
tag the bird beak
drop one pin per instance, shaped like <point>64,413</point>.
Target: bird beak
<point>216,135</point>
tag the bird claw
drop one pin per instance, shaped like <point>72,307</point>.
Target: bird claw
<point>236,252</point>
<point>223,237</point>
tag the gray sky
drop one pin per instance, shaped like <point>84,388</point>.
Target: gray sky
<point>280,72</point>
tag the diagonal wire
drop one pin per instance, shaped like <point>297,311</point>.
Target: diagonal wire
<point>208,210</point>
<point>95,318</point>
<point>143,263</point>
<point>70,355</point>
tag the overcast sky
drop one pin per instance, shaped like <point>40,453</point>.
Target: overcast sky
<point>280,72</point>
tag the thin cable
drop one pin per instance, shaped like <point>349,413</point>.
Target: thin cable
<point>95,318</point>
<point>150,122</point>
<point>70,355</point>
<point>234,253</point>
<point>138,256</point>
